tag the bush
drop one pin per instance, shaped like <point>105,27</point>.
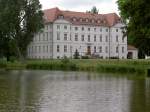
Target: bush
<point>3,64</point>
<point>65,60</point>
<point>85,57</point>
<point>13,59</point>
<point>114,58</point>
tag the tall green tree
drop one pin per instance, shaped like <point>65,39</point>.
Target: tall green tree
<point>19,21</point>
<point>6,28</point>
<point>136,14</point>
<point>94,10</point>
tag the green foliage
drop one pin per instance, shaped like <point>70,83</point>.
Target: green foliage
<point>3,63</point>
<point>85,57</point>
<point>94,10</point>
<point>76,54</point>
<point>136,13</point>
<point>19,21</point>
<point>52,65</point>
<point>13,59</point>
<point>94,65</point>
<point>65,60</point>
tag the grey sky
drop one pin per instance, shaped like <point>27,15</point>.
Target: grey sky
<point>104,6</point>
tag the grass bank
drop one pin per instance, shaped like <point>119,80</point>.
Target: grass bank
<point>95,65</point>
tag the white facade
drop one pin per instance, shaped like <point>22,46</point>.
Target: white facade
<point>62,38</point>
<point>134,54</point>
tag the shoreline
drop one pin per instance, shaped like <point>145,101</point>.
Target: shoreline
<point>140,67</point>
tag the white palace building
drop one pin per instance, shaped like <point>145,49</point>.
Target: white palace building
<point>66,32</point>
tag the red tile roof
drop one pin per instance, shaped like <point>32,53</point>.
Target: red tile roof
<point>130,47</point>
<point>50,15</point>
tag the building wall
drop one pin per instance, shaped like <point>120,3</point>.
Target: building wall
<point>63,38</point>
<point>118,40</point>
<point>41,47</point>
<point>134,53</point>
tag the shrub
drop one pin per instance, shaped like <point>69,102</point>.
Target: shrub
<point>12,59</point>
<point>114,58</point>
<point>3,64</point>
<point>85,57</point>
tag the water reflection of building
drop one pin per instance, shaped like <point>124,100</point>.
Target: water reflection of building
<point>148,94</point>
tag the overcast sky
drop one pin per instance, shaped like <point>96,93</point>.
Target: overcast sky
<point>104,6</point>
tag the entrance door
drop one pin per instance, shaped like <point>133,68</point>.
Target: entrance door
<point>88,50</point>
<point>130,55</point>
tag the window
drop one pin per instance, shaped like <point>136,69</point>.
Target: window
<point>61,17</point>
<point>70,37</point>
<point>88,38</point>
<point>46,27</point>
<point>94,38</point>
<point>43,49</point>
<point>82,38</point>
<point>35,49</point>
<point>43,36</point>
<point>106,49</point>
<point>94,49</point>
<point>76,37</point>
<point>39,37</point>
<point>116,38</point>
<point>58,26</point>
<point>65,27</point>
<point>46,36</point>
<point>117,49</point>
<point>47,48</point>
<point>87,20</point>
<point>65,36</point>
<point>32,50</point>
<point>100,49</point>
<point>116,30</point>
<point>122,49</point>
<point>58,36</point>
<point>106,30</point>
<point>65,48</point>
<point>93,20</point>
<point>39,49</point>
<point>58,48</point>
<point>50,35</point>
<point>35,38</point>
<point>95,29</point>
<point>100,29</point>
<point>74,19</point>
<point>89,29</point>
<point>101,38</point>
<point>106,38</point>
<point>76,28</point>
<point>82,28</point>
<point>123,39</point>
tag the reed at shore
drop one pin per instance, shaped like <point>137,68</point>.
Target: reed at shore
<point>94,65</point>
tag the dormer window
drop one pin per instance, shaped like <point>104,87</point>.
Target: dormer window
<point>93,20</point>
<point>98,21</point>
<point>60,17</point>
<point>87,20</point>
<point>74,19</point>
<point>104,22</point>
<point>81,20</point>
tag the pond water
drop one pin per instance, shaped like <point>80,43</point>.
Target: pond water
<point>57,91</point>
